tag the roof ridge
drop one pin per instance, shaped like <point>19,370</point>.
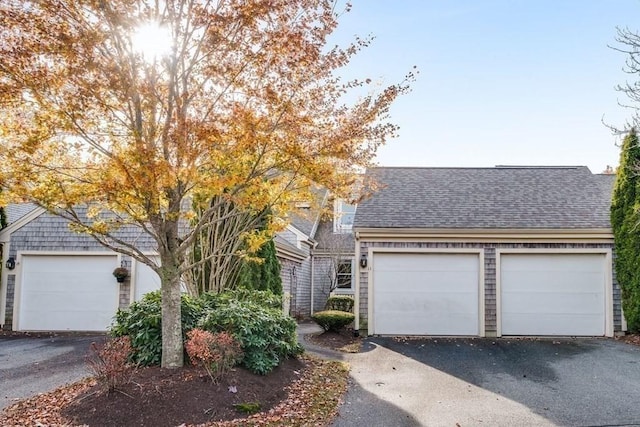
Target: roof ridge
<point>482,167</point>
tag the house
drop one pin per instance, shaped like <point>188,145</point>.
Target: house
<point>324,263</point>
<point>503,251</point>
<point>55,279</point>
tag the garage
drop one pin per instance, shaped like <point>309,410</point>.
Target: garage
<point>66,292</point>
<point>554,294</point>
<point>426,293</point>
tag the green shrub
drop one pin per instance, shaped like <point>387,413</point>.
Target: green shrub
<point>264,275</point>
<point>340,303</point>
<point>332,320</point>
<point>142,322</point>
<point>254,318</point>
<point>263,298</point>
<point>267,336</point>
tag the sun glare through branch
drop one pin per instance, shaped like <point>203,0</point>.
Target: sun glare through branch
<point>151,40</point>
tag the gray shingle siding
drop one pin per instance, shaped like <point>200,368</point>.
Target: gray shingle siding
<point>288,236</point>
<point>321,282</point>
<point>11,281</point>
<point>487,198</point>
<point>51,233</point>
<point>16,211</point>
<point>489,273</point>
<point>301,307</point>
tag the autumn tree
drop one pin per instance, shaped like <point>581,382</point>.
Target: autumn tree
<point>243,105</point>
<point>625,221</point>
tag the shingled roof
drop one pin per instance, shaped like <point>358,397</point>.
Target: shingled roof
<point>487,198</point>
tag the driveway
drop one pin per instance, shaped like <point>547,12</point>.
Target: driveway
<point>492,382</point>
<point>29,366</point>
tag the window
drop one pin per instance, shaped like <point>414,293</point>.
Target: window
<point>343,274</point>
<point>344,214</point>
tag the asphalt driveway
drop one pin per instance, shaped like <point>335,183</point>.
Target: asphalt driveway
<point>493,382</point>
<point>29,366</point>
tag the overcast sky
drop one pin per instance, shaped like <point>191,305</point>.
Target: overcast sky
<point>501,81</point>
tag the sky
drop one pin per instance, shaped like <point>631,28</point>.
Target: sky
<point>501,82</point>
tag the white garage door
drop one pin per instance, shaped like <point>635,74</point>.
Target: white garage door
<point>553,294</point>
<point>425,294</point>
<point>146,280</point>
<point>64,292</point>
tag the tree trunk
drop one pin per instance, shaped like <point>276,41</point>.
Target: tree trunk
<point>172,345</point>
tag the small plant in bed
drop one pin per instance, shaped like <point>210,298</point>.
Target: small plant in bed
<point>333,320</point>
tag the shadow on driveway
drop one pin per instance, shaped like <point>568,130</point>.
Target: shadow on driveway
<point>29,366</point>
<point>569,382</point>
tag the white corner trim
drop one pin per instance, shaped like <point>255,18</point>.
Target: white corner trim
<point>4,283</point>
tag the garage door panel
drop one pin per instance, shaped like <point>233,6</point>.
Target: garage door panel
<point>47,301</point>
<point>555,324</point>
<point>420,303</point>
<point>426,294</point>
<point>552,262</point>
<point>67,320</point>
<point>550,302</point>
<point>553,294</point>
<point>407,262</point>
<point>67,292</point>
<point>438,325</point>
<point>449,282</point>
<point>548,281</point>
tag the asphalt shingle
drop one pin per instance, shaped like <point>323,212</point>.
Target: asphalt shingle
<point>487,198</point>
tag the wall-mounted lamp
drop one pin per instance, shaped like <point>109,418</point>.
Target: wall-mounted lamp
<point>363,260</point>
<point>11,263</point>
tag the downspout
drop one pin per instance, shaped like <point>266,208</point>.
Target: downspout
<point>312,248</point>
<point>4,284</point>
<point>356,295</point>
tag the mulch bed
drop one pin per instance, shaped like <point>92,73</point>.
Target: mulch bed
<point>156,397</point>
<point>630,339</point>
<point>302,391</point>
<point>344,341</point>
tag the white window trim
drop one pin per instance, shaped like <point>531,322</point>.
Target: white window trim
<point>337,215</point>
<point>350,290</point>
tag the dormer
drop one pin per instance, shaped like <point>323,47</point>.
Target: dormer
<point>343,216</point>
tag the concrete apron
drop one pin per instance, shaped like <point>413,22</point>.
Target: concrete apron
<point>429,396</point>
<point>413,393</point>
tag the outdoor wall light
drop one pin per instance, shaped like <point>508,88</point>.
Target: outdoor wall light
<point>11,263</point>
<point>363,260</point>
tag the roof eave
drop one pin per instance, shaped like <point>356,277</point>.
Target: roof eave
<point>604,235</point>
